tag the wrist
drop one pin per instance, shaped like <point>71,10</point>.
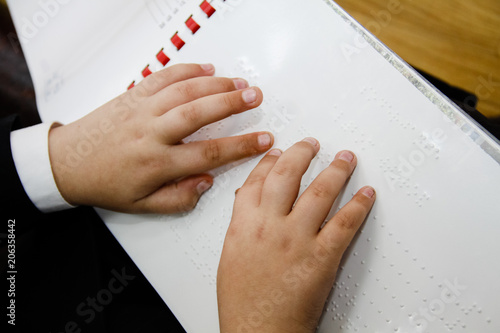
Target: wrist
<point>61,171</point>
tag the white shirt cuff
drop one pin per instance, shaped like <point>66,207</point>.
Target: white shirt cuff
<point>30,151</point>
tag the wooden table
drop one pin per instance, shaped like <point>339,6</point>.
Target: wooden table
<point>457,41</point>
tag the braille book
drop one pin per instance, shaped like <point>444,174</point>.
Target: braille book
<point>425,260</point>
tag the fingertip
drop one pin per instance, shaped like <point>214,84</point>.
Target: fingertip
<point>265,140</point>
<point>368,192</point>
<point>275,152</point>
<point>204,186</point>
<point>249,95</point>
<point>346,155</point>
<point>240,84</point>
<point>208,68</point>
<point>313,142</point>
<point>252,96</point>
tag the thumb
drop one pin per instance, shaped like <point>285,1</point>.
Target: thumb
<point>181,196</point>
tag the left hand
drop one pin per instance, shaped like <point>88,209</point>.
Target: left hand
<point>128,154</point>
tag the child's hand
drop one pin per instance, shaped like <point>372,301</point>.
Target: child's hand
<point>277,266</point>
<point>128,155</point>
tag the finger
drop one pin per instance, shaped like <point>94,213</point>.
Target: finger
<point>323,191</point>
<point>201,156</point>
<point>187,91</point>
<point>339,231</point>
<point>249,195</point>
<point>188,118</point>
<point>170,75</point>
<point>178,197</point>
<point>282,185</point>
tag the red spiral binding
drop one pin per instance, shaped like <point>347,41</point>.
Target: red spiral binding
<point>192,25</point>
<point>177,41</point>
<point>162,57</point>
<point>207,8</point>
<point>146,71</point>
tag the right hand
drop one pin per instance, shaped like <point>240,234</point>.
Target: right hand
<point>278,265</point>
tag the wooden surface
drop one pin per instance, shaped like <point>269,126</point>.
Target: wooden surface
<point>457,41</point>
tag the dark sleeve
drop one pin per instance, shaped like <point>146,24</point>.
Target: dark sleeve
<point>15,202</point>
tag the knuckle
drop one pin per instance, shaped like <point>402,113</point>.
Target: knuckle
<point>190,114</point>
<point>283,171</point>
<point>153,164</point>
<point>186,90</point>
<point>256,180</point>
<point>141,90</point>
<point>152,82</point>
<point>213,152</point>
<point>361,204</point>
<point>187,204</point>
<point>342,166</point>
<point>247,146</point>
<point>285,243</point>
<point>224,84</point>
<point>327,257</point>
<point>345,221</point>
<point>229,102</point>
<point>178,71</point>
<point>305,148</point>
<point>320,191</point>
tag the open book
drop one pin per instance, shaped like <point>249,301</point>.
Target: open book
<point>426,258</point>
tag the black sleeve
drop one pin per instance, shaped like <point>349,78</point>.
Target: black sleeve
<point>70,270</point>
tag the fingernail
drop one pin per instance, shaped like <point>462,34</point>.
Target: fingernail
<point>275,152</point>
<point>264,140</point>
<point>368,192</point>
<point>240,84</point>
<point>207,67</point>
<point>249,95</point>
<point>346,156</point>
<point>312,141</point>
<point>203,186</point>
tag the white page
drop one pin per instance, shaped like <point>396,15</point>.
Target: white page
<point>435,222</point>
